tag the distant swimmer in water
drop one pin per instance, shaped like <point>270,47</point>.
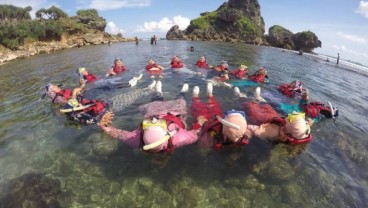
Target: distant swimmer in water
<point>241,73</point>
<point>85,75</point>
<point>338,58</point>
<point>260,75</point>
<point>201,62</point>
<point>136,40</point>
<point>117,68</point>
<point>176,62</point>
<point>152,66</point>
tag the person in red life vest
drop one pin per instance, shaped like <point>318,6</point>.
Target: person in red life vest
<point>57,95</point>
<point>83,73</point>
<point>221,128</point>
<point>295,88</point>
<point>152,66</point>
<point>163,128</point>
<point>201,62</point>
<point>241,73</point>
<point>154,69</point>
<point>260,75</point>
<point>317,110</point>
<point>176,62</point>
<point>83,110</point>
<point>270,125</point>
<point>220,68</point>
<point>117,68</point>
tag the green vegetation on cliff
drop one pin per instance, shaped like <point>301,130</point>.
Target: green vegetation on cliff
<point>17,28</point>
<point>204,21</point>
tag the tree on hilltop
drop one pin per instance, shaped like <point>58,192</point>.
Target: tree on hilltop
<point>52,13</point>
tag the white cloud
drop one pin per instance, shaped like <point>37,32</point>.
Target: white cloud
<point>113,29</point>
<point>352,38</point>
<point>116,4</point>
<point>343,48</point>
<point>363,8</point>
<point>164,24</point>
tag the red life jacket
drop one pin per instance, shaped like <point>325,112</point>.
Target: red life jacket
<point>286,90</point>
<point>238,73</point>
<point>97,109</point>
<point>66,93</point>
<point>258,77</point>
<point>314,109</point>
<point>89,77</point>
<point>221,68</point>
<point>118,69</point>
<point>281,122</point>
<point>177,64</point>
<point>214,127</point>
<point>150,66</point>
<point>201,64</point>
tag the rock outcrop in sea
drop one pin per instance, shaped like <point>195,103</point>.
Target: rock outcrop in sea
<point>233,21</point>
<point>241,21</point>
<point>283,38</point>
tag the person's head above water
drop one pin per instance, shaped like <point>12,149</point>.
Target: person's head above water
<point>118,62</point>
<point>234,126</point>
<point>243,67</point>
<point>151,61</point>
<point>155,134</point>
<point>297,126</point>
<point>81,71</point>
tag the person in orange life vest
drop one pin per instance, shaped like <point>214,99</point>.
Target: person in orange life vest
<point>295,88</point>
<point>260,75</point>
<point>201,62</point>
<point>56,94</point>
<point>176,62</point>
<point>241,73</point>
<point>317,110</point>
<point>163,128</point>
<point>117,68</point>
<point>87,77</point>
<point>91,110</point>
<point>269,125</point>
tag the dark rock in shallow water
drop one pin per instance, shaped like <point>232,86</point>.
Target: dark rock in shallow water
<point>32,190</point>
<point>102,146</point>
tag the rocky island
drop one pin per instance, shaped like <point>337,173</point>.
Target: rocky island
<point>241,21</point>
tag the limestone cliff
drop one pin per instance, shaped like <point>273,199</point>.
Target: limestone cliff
<point>241,21</point>
<point>233,21</point>
<point>283,38</point>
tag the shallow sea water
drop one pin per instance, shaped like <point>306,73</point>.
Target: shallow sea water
<point>60,163</point>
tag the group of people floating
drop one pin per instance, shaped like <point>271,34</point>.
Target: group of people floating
<point>164,124</point>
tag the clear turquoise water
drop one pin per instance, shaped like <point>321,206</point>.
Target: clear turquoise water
<point>95,170</point>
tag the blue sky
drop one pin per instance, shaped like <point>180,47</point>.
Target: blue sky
<point>341,25</point>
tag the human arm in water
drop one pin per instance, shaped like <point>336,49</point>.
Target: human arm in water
<point>185,137</point>
<point>131,138</point>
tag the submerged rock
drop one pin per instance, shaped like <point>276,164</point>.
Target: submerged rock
<point>32,190</point>
<point>102,146</point>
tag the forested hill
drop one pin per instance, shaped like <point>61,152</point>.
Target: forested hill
<point>26,36</point>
